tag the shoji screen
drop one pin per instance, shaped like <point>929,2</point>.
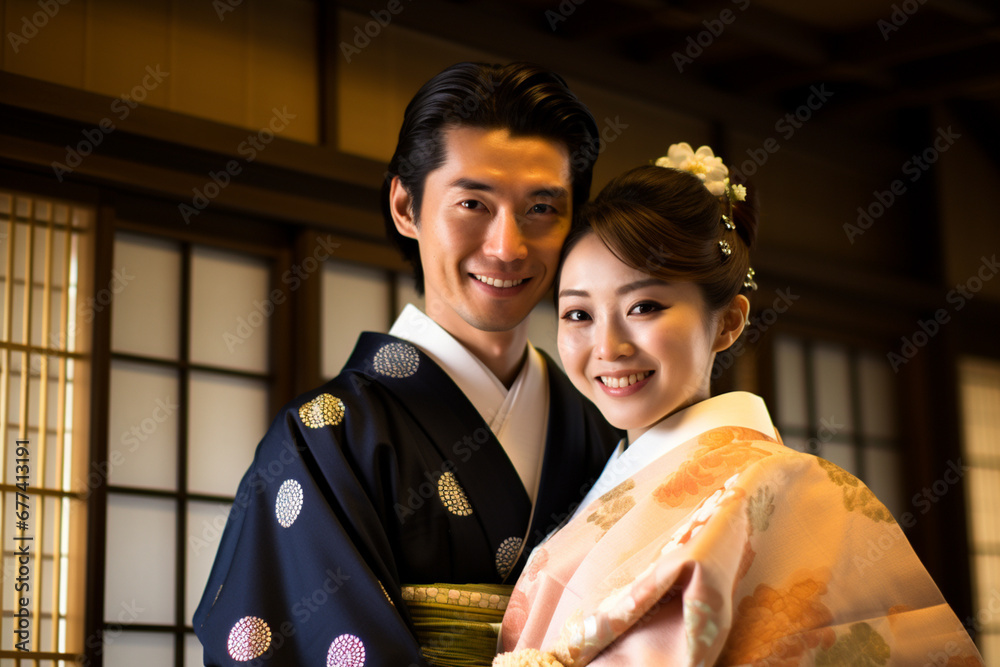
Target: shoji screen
<point>189,402</point>
<point>839,403</point>
<point>44,248</point>
<point>979,380</point>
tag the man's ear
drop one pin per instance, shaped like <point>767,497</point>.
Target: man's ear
<point>401,207</point>
<point>734,318</point>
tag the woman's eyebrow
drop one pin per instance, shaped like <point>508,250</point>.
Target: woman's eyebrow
<point>624,289</point>
<point>638,284</point>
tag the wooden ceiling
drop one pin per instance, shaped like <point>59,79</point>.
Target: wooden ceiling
<point>889,64</point>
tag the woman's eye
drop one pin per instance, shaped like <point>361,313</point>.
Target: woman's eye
<point>542,208</point>
<point>646,307</point>
<point>576,316</point>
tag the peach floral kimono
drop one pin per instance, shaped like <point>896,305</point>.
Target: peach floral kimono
<point>714,544</point>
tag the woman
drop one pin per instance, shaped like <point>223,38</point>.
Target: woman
<point>705,541</point>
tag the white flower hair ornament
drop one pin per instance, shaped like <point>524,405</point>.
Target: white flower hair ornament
<point>706,166</point>
<point>710,169</point>
<point>702,163</point>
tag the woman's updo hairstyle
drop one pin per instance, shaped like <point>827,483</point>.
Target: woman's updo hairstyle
<point>666,223</point>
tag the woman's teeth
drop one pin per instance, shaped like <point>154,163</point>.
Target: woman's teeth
<point>616,383</point>
<point>493,282</point>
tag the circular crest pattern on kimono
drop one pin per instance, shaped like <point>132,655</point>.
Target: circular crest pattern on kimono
<point>249,638</point>
<point>346,651</point>
<point>507,555</point>
<point>453,495</point>
<point>324,410</point>
<point>396,360</point>
<point>288,504</point>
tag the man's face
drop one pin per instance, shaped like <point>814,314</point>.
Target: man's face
<point>492,222</point>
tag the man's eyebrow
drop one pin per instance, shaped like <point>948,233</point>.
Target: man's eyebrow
<point>469,184</point>
<point>552,192</point>
<point>555,192</point>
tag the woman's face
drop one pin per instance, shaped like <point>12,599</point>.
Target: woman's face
<point>638,347</point>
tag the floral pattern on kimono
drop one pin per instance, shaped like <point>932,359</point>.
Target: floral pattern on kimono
<point>736,551</point>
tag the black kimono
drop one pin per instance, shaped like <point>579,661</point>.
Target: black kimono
<point>386,475</point>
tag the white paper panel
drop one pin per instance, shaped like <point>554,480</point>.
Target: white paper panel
<point>143,426</point>
<point>989,644</point>
<point>832,387</point>
<point>983,497</point>
<point>205,523</point>
<point>145,293</point>
<point>44,634</point>
<point>149,649</point>
<point>228,417</point>
<point>20,241</point>
<point>980,397</point>
<point>790,377</point>
<point>878,397</point>
<point>141,555</point>
<point>882,472</point>
<point>38,251</point>
<point>194,654</point>
<point>986,578</point>
<point>34,439</point>
<point>40,575</point>
<point>355,299</point>
<point>840,453</point>
<point>55,338</point>
<point>230,310</point>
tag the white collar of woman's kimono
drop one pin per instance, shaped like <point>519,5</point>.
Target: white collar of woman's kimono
<point>735,408</point>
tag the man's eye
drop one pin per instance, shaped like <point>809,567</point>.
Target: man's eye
<point>471,204</point>
<point>542,208</point>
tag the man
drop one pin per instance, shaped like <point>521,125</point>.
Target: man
<point>447,449</point>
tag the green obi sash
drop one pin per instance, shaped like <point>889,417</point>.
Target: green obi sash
<point>457,625</point>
